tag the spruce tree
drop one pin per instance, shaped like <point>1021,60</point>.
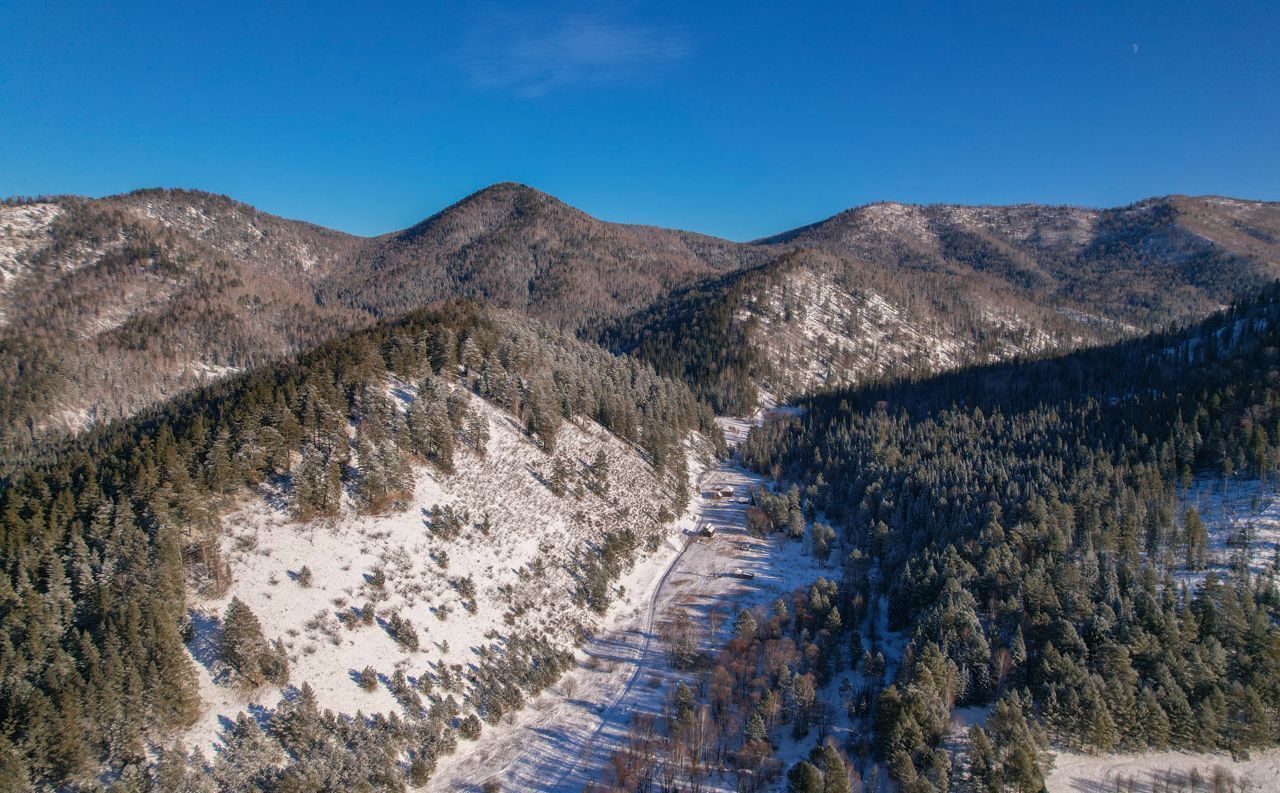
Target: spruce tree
<point>805,777</point>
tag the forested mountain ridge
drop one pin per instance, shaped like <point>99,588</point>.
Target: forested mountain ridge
<point>108,305</point>
<point>111,304</point>
<point>816,320</point>
<point>1033,525</point>
<point>519,248</point>
<point>891,290</point>
<point>1150,263</point>
<point>102,538</point>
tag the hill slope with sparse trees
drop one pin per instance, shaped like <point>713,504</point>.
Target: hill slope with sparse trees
<point>112,304</point>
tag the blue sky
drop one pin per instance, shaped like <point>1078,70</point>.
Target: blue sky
<point>739,119</point>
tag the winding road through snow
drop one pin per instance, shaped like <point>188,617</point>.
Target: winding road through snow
<point>560,742</point>
<point>640,665</point>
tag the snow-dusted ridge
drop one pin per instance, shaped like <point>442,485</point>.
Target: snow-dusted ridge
<point>23,228</point>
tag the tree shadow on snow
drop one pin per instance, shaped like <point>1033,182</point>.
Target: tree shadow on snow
<point>205,644</point>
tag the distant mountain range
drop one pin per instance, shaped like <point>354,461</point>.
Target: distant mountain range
<point>108,305</point>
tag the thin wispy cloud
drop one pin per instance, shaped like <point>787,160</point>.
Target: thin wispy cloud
<point>534,55</point>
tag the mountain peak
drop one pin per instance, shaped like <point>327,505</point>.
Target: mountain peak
<point>507,187</point>
<point>510,193</point>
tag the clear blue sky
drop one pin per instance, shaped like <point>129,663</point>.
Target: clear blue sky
<point>738,120</point>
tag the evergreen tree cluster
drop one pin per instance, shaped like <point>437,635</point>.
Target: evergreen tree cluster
<point>696,335</point>
<point>246,650</point>
<point>1029,519</point>
<point>100,536</point>
<point>302,747</point>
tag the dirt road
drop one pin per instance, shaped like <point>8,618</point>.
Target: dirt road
<point>562,740</point>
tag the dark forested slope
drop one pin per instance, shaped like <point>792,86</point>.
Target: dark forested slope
<point>1032,524</point>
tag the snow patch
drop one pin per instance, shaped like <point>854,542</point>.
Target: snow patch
<point>1081,773</point>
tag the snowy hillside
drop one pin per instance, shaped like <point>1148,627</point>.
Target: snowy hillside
<point>1241,519</point>
<point>107,305</point>
<point>23,228</point>
<point>465,596</point>
<point>815,329</point>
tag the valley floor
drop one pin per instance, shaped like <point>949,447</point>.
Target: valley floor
<point>564,738</point>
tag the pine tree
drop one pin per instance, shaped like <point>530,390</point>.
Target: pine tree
<point>983,764</point>
<point>478,431</point>
<point>469,728</point>
<point>835,771</point>
<point>1153,720</point>
<point>317,482</point>
<point>795,524</point>
<point>174,769</point>
<point>1022,769</point>
<point>558,482</point>
<point>821,538</point>
<point>430,431</point>
<point>599,471</point>
<point>249,760</point>
<point>1196,539</point>
<point>1102,734</point>
<point>443,346</point>
<point>544,415</point>
<point>218,472</point>
<point>805,777</point>
<point>247,651</point>
<point>15,773</point>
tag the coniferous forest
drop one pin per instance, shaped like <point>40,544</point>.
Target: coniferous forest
<point>999,464</point>
<point>1027,533</point>
<point>102,538</point>
<point>632,397</point>
<point>1030,527</point>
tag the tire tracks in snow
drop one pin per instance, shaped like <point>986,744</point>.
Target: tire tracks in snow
<point>570,769</point>
<point>557,767</point>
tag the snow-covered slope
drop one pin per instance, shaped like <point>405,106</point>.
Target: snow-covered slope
<point>23,228</point>
<point>1148,263</point>
<point>815,329</point>
<point>466,596</point>
<point>1241,518</point>
<point>1156,772</point>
